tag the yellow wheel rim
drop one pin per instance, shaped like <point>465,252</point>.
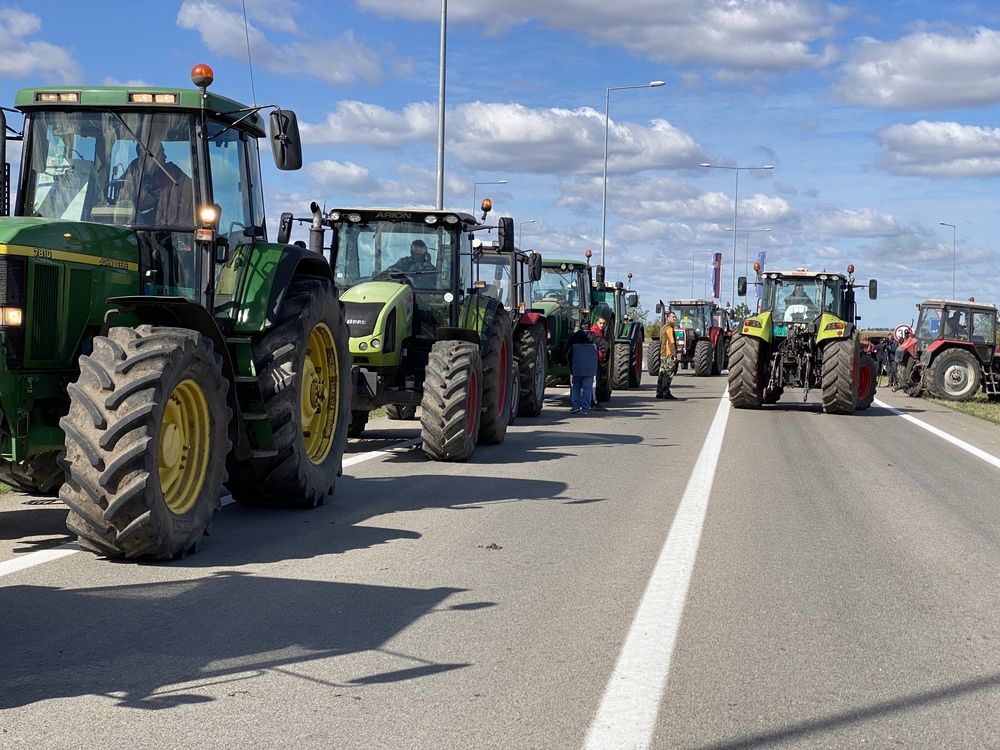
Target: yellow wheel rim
<point>320,386</point>
<point>185,437</point>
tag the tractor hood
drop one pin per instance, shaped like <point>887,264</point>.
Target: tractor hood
<point>66,240</point>
<point>379,315</point>
<point>549,306</point>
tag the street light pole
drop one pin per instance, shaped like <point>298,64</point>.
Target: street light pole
<point>519,226</point>
<point>954,254</point>
<point>607,127</point>
<point>736,209</point>
<point>476,185</point>
<point>441,90</point>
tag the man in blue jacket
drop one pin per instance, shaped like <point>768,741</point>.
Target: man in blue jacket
<point>581,351</point>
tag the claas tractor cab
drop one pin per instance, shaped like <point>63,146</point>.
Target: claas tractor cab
<point>702,336</point>
<point>153,339</point>
<point>421,333</point>
<point>805,336</point>
<point>626,337</point>
<point>954,351</point>
<point>565,293</point>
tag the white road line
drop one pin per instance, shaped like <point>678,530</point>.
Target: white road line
<point>37,558</point>
<point>627,714</point>
<point>987,457</point>
<point>361,458</point>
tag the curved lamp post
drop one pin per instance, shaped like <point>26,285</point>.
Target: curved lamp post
<point>746,258</point>
<point>519,226</point>
<point>476,185</point>
<point>954,254</point>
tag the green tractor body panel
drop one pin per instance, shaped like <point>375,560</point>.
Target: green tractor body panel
<point>373,305</point>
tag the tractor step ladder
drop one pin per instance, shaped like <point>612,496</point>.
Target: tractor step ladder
<point>249,399</point>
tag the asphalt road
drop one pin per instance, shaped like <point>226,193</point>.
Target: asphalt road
<point>830,582</point>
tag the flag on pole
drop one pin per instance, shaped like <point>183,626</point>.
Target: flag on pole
<point>717,276</point>
<point>760,261</point>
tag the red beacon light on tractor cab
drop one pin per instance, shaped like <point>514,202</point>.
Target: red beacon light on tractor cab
<point>202,76</point>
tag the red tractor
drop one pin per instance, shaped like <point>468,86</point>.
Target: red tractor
<point>703,334</point>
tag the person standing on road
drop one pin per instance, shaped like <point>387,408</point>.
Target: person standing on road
<point>599,329</point>
<point>581,351</point>
<point>668,358</point>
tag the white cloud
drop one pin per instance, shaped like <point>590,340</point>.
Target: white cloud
<point>833,222</point>
<point>20,58</point>
<point>338,61</point>
<point>923,70</point>
<point>940,149</point>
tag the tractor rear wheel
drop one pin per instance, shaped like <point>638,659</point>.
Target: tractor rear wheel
<point>498,370</point>
<point>36,475</point>
<point>746,372</point>
<point>401,411</point>
<point>359,420</point>
<point>620,365</point>
<point>146,441</point>
<point>653,354</point>
<point>840,358</point>
<point>703,358</point>
<point>635,366</point>
<point>866,381</point>
<point>532,365</point>
<point>953,375</point>
<point>303,367</point>
<point>450,410</point>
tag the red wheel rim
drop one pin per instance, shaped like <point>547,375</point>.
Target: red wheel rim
<point>864,380</point>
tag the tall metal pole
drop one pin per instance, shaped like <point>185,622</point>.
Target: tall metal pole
<point>441,88</point>
<point>954,254</point>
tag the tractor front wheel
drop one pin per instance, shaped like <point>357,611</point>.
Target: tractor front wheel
<point>359,420</point>
<point>746,372</point>
<point>532,365</point>
<point>146,441</point>
<point>498,370</point>
<point>620,365</point>
<point>953,375</point>
<point>450,409</point>
<point>653,355</point>
<point>401,411</point>
<point>635,366</point>
<point>867,381</point>
<point>703,358</point>
<point>37,475</point>
<point>840,394</point>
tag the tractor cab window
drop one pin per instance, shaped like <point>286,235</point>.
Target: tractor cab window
<point>955,325</point>
<point>493,272</point>
<point>561,284</point>
<point>929,323</point>
<point>230,165</point>
<point>793,300</point>
<point>410,252</point>
<point>694,318</point>
<point>984,327</point>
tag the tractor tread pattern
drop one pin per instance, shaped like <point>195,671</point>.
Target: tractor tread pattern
<point>532,363</point>
<point>620,364</point>
<point>653,357</point>
<point>839,383</point>
<point>703,358</point>
<point>745,387</point>
<point>496,405</point>
<point>446,401</point>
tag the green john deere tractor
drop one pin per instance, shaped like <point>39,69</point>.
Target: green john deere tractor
<point>803,337</point>
<point>152,337</point>
<point>626,336</point>
<point>565,293</point>
<point>421,332</point>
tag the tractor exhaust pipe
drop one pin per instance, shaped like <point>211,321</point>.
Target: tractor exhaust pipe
<point>316,229</point>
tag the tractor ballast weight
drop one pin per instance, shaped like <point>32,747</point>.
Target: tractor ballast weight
<point>703,335</point>
<point>626,335</point>
<point>422,333</point>
<point>805,336</point>
<point>161,345</point>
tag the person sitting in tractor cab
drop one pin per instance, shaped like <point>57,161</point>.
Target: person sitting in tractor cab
<point>954,326</point>
<point>418,261</point>
<point>163,194</point>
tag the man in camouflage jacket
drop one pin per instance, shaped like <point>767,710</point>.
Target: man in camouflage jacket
<point>668,357</point>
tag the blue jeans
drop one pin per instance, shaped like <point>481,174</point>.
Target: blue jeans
<point>581,390</point>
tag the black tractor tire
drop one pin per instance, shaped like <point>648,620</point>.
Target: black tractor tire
<point>772,396</point>
<point>867,381</point>
<point>146,440</point>
<point>718,356</point>
<point>498,372</point>
<point>620,365</point>
<point>635,366</point>
<point>839,382</point>
<point>404,412</point>
<point>37,475</point>
<point>532,369</point>
<point>703,358</point>
<point>746,372</point>
<point>303,366</point>
<point>359,420</point>
<point>450,409</point>
<point>953,375</point>
<point>653,355</point>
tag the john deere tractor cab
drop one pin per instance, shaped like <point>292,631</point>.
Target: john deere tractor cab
<point>702,335</point>
<point>804,336</point>
<point>626,337</point>
<point>565,293</point>
<point>147,317</point>
<point>421,332</point>
<point>955,350</point>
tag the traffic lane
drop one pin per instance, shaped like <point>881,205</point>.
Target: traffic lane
<point>426,605</point>
<point>840,596</point>
<point>29,523</point>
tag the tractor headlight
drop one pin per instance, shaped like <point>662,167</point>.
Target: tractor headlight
<point>363,346</point>
<point>376,343</point>
<point>11,317</point>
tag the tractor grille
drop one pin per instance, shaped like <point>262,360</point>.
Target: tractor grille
<point>12,281</point>
<point>361,317</point>
<point>45,309</point>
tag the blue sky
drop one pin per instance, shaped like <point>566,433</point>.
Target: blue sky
<point>881,120</point>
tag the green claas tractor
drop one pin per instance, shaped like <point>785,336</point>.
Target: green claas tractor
<point>421,333</point>
<point>956,354</point>
<point>804,336</point>
<point>152,337</point>
<point>565,293</point>
<point>702,335</point>
<point>626,336</point>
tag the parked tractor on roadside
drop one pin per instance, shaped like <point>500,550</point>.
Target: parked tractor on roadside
<point>565,293</point>
<point>421,332</point>
<point>955,351</point>
<point>703,336</point>
<point>152,337</point>
<point>626,336</point>
<point>804,336</point>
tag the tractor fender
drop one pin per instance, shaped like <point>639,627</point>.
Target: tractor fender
<point>831,328</point>
<point>759,326</point>
<point>476,321</point>
<point>532,317</point>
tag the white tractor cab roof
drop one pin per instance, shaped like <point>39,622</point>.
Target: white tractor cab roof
<point>971,304</point>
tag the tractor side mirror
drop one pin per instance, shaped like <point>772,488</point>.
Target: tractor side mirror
<point>659,308</point>
<point>599,275</point>
<point>286,145</point>
<point>741,286</point>
<point>284,228</point>
<point>632,300</point>
<point>534,266</point>
<point>873,289</point>
<point>505,233</point>
<point>221,250</point>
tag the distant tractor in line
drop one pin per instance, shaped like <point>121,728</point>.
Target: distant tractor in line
<point>703,336</point>
<point>625,333</point>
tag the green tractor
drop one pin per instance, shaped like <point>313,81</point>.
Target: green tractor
<point>152,338</point>
<point>703,335</point>
<point>565,293</point>
<point>626,336</point>
<point>421,332</point>
<point>803,337</point>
